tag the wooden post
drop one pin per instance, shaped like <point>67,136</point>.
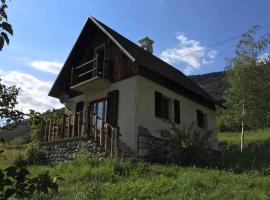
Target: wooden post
<point>79,124</point>
<point>74,126</point>
<point>112,141</point>
<point>101,133</point>
<point>116,144</point>
<point>63,126</point>
<point>69,128</point>
<point>95,127</point>
<point>57,128</point>
<point>106,136</point>
<point>86,122</point>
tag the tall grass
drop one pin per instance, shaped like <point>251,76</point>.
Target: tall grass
<point>232,175</point>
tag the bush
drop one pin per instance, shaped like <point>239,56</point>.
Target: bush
<point>187,143</point>
<point>16,182</point>
<point>34,154</point>
<point>20,161</point>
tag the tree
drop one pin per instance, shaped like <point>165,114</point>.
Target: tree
<point>247,96</point>
<point>9,115</point>
<point>5,27</point>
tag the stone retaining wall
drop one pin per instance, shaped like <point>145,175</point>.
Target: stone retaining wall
<point>151,148</point>
<point>65,150</point>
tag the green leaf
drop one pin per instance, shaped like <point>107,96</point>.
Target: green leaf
<point>5,36</point>
<point>7,27</point>
<point>10,192</point>
<point>11,171</point>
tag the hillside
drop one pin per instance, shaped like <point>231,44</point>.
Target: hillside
<point>213,83</point>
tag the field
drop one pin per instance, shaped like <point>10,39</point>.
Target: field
<point>233,175</point>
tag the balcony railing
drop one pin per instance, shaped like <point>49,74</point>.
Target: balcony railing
<point>82,124</point>
<point>90,70</point>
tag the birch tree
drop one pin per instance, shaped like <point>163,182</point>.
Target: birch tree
<point>246,78</point>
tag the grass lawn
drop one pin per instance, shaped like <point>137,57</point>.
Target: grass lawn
<point>232,175</point>
<point>260,136</point>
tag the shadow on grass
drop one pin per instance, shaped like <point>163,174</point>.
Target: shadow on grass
<point>254,158</point>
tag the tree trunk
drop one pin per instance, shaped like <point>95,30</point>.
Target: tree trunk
<point>242,136</point>
<point>242,127</point>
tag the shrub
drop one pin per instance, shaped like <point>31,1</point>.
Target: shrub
<point>34,154</point>
<point>16,182</point>
<point>187,142</point>
<point>20,161</point>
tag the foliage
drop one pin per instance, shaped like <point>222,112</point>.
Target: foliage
<point>15,182</point>
<point>5,27</point>
<point>9,116</point>
<point>34,154</point>
<point>248,94</point>
<point>249,81</point>
<point>35,121</point>
<point>187,141</point>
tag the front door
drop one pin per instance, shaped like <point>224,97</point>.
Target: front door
<point>99,109</point>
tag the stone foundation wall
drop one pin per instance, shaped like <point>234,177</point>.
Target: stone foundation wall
<point>65,150</point>
<point>151,148</point>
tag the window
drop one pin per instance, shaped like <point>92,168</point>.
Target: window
<point>165,109</point>
<point>162,106</point>
<point>176,111</point>
<point>201,119</point>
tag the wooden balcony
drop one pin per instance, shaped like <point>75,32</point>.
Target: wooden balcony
<point>92,75</point>
<point>81,125</point>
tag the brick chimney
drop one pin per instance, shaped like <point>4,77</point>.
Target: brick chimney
<point>147,44</point>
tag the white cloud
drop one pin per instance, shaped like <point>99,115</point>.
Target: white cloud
<point>264,58</point>
<point>188,52</point>
<point>33,92</point>
<point>47,66</point>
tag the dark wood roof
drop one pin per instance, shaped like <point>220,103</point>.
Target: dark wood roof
<point>149,61</point>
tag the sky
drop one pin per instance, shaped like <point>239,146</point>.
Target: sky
<point>187,34</point>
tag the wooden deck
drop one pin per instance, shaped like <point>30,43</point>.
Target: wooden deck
<point>82,125</point>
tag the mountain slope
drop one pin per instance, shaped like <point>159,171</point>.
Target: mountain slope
<point>213,83</point>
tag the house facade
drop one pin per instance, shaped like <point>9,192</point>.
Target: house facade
<point>109,80</point>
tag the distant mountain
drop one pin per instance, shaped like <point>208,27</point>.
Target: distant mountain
<point>213,83</point>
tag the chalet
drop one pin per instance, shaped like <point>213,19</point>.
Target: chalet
<point>113,88</point>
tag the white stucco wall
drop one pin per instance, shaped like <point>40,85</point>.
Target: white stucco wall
<point>188,109</point>
<point>137,108</point>
<point>126,107</point>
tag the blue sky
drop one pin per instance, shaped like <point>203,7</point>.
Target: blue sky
<point>183,30</point>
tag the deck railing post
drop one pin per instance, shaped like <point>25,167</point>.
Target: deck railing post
<point>112,141</point>
<point>95,127</point>
<point>106,137</point>
<point>74,126</point>
<point>63,129</point>
<point>116,144</point>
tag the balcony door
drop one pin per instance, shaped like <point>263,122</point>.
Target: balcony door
<point>98,108</point>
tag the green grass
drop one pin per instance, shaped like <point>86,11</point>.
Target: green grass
<point>260,136</point>
<point>232,175</point>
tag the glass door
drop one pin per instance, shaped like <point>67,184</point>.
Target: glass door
<point>98,108</point>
